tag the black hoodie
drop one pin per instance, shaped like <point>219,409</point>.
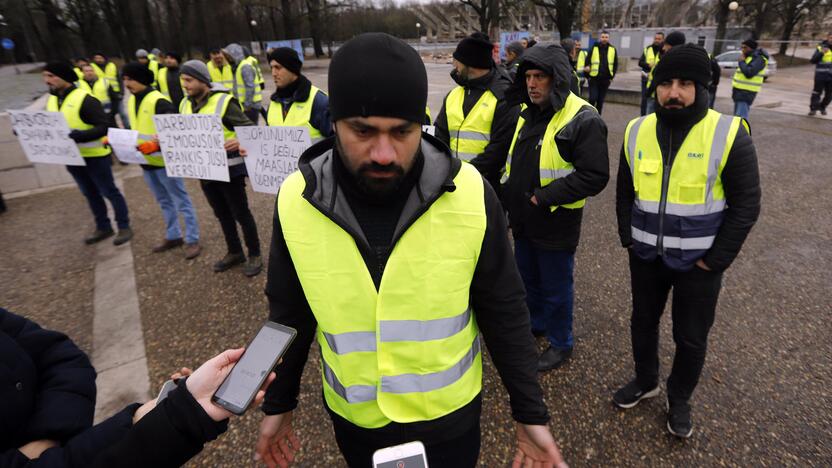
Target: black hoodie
<point>583,142</point>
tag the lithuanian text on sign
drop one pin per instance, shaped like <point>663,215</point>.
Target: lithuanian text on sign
<point>44,137</point>
<point>193,146</point>
<point>272,154</point>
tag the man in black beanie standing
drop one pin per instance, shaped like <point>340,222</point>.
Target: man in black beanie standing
<point>169,82</point>
<point>698,197</point>
<point>601,69</point>
<point>88,124</point>
<point>748,77</point>
<point>396,253</point>
<point>475,121</point>
<point>675,38</point>
<point>296,102</point>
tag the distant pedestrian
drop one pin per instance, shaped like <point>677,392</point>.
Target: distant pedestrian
<point>749,76</point>
<point>246,87</point>
<point>822,58</point>
<point>675,38</point>
<point>169,82</point>
<point>144,58</point>
<point>104,68</point>
<point>648,60</point>
<point>603,65</point>
<point>688,194</point>
<point>514,51</point>
<point>716,75</point>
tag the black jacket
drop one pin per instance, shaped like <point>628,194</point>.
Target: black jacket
<point>583,142</point>
<point>299,92</point>
<point>92,113</point>
<point>174,86</point>
<point>716,74</point>
<point>497,295</point>
<point>823,71</point>
<point>492,161</point>
<point>642,61</point>
<point>740,179</point>
<point>750,70</point>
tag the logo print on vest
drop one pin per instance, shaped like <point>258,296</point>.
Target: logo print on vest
<point>696,155</point>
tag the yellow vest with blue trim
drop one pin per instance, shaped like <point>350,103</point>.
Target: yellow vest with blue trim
<point>825,64</point>
<point>141,120</point>
<point>552,165</point>
<point>680,223</point>
<point>99,90</point>
<point>753,84</point>
<point>469,134</point>
<point>71,108</point>
<point>110,72</point>
<point>224,76</point>
<point>409,351</point>
<point>298,115</point>
<point>240,85</point>
<point>595,61</point>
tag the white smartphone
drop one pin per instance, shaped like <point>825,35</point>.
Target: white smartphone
<point>239,388</point>
<point>166,388</point>
<point>409,455</point>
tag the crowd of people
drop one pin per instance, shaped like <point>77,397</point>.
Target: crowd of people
<point>392,248</point>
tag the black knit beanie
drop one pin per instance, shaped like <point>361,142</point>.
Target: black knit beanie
<point>475,51</point>
<point>685,62</point>
<point>675,38</point>
<point>138,72</point>
<point>62,69</point>
<point>750,43</point>
<point>376,74</point>
<point>175,55</point>
<point>287,58</point>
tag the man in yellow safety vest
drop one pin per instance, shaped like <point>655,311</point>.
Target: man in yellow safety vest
<point>601,69</point>
<point>246,87</point>
<point>822,58</point>
<point>394,255</point>
<point>649,58</point>
<point>748,77</point>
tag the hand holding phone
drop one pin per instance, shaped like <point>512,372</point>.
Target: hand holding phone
<point>409,455</point>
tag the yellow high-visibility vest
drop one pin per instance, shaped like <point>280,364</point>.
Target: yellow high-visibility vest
<point>223,76</point>
<point>217,104</point>
<point>71,108</point>
<point>240,85</point>
<point>298,115</point>
<point>755,84</point>
<point>595,61</point>
<point>141,120</point>
<point>581,64</point>
<point>110,72</point>
<point>410,350</point>
<point>100,90</point>
<point>471,133</point>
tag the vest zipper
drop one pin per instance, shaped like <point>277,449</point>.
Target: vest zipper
<point>663,199</point>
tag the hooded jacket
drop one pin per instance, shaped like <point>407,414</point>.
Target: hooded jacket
<point>583,142</point>
<point>740,180</point>
<point>238,55</point>
<point>492,160</point>
<point>497,294</point>
<point>750,70</point>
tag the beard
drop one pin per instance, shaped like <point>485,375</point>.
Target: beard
<point>368,184</point>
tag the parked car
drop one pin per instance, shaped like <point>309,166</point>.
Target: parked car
<point>728,63</point>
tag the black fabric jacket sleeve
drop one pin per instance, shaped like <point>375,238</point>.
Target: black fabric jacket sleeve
<point>751,69</point>
<point>817,56</point>
<point>716,74</point>
<point>615,62</point>
<point>625,195</point>
<point>493,158</point>
<point>168,436</point>
<point>499,302</point>
<point>65,393</point>
<point>234,116</point>
<point>441,124</point>
<point>92,113</point>
<point>642,62</point>
<point>583,142</point>
<point>320,117</point>
<point>163,106</point>
<point>741,180</point>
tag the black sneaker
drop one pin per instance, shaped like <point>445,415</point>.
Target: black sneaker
<point>678,420</point>
<point>629,395</point>
<point>812,113</point>
<point>98,236</point>
<point>124,235</point>
<point>253,267</point>
<point>229,261</point>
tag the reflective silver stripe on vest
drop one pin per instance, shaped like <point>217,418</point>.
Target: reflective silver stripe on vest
<point>157,154</point>
<point>236,161</point>
<point>679,209</point>
<point>718,145</point>
<point>754,84</point>
<point>670,242</point>
<point>353,393</point>
<point>91,144</point>
<point>419,330</point>
<point>466,156</point>
<point>351,342</point>
<point>420,383</point>
<point>555,173</point>
<point>218,110</point>
<point>471,135</point>
<point>631,144</point>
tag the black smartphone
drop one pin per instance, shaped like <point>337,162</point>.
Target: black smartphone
<point>239,388</point>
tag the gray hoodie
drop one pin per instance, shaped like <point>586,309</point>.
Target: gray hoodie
<point>248,73</point>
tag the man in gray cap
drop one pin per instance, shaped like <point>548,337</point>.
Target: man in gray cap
<point>228,199</point>
<point>514,51</point>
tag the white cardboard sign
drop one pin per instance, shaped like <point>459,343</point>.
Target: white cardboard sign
<point>123,143</point>
<point>272,154</point>
<point>193,146</point>
<point>44,137</point>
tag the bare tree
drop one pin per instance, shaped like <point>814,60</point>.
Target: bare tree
<point>562,12</point>
<point>791,12</point>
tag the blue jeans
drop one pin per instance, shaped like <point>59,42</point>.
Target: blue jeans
<point>96,183</point>
<point>172,197</point>
<point>742,109</point>
<point>550,290</point>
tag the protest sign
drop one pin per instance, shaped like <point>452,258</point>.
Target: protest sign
<point>272,154</point>
<point>508,37</point>
<point>193,146</point>
<point>44,137</point>
<point>123,143</point>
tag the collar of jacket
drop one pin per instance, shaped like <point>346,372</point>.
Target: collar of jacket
<point>63,94</point>
<point>302,88</point>
<point>325,194</point>
<point>196,105</point>
<point>495,81</point>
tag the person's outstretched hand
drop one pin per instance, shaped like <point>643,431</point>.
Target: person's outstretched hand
<point>207,379</point>
<point>277,443</point>
<point>536,448</point>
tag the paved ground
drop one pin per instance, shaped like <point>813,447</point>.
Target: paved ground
<point>764,398</point>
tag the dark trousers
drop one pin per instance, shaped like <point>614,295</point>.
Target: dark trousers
<point>822,87</point>
<point>695,295</point>
<point>230,204</point>
<point>550,290</point>
<point>357,445</point>
<point>644,96</point>
<point>598,92</point>
<point>96,183</point>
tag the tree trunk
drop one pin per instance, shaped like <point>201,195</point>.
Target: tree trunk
<point>586,13</point>
<point>625,20</point>
<point>788,29</point>
<point>722,13</point>
<point>289,19</point>
<point>314,10</point>
<point>150,30</point>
